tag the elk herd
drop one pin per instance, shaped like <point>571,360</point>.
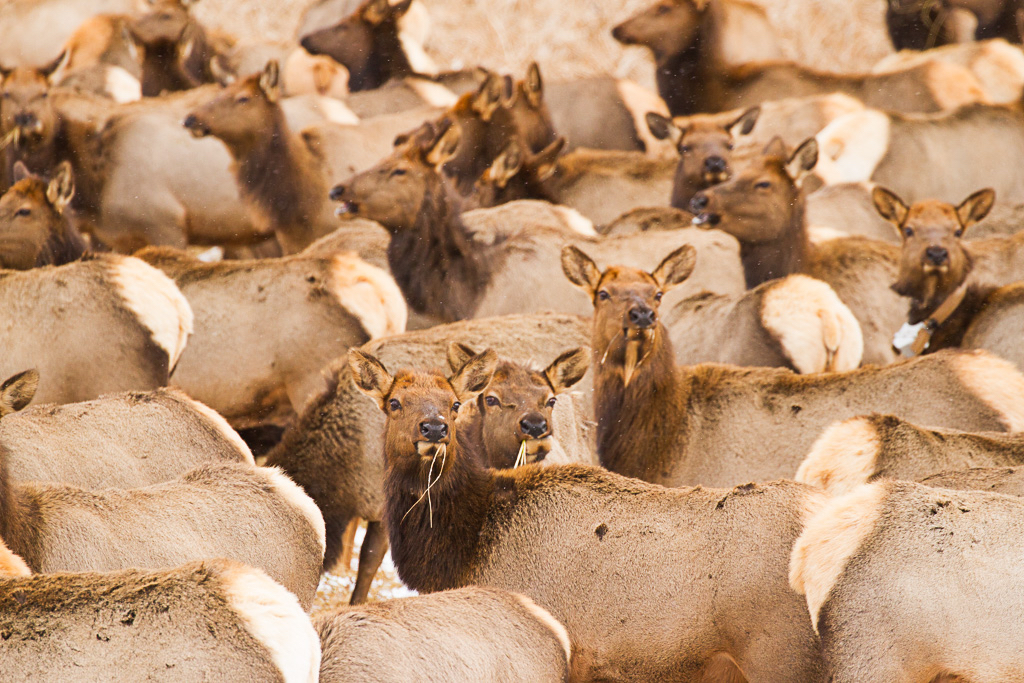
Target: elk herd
<point>717,383</point>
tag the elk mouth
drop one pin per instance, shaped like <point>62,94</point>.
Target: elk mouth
<point>537,449</point>
<point>428,449</point>
<point>706,219</point>
<point>346,207</point>
<point>714,177</point>
<point>197,129</point>
<point>932,269</point>
<point>638,345</point>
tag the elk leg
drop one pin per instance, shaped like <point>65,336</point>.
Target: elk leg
<point>375,544</point>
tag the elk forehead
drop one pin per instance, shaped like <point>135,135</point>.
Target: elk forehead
<point>932,219</point>
<point>511,380</point>
<point>622,281</point>
<point>422,392</point>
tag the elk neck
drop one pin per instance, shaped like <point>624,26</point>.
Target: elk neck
<point>785,255</point>
<point>679,78</point>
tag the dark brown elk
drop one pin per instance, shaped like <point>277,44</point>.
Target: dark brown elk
<point>683,36</point>
<point>92,327</point>
<point>438,628</point>
<point>35,225</point>
<point>717,425</point>
<point>495,528</point>
<point>764,207</point>
<point>920,25</point>
<point>333,450</point>
<point>949,281</point>
<point>958,549</point>
<point>253,515</point>
<point>128,439</point>
<point>320,307</point>
<point>213,620</point>
<point>176,49</point>
<point>705,150</point>
<point>443,271</point>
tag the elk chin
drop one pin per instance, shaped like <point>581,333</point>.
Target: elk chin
<point>346,208</point>
<point>638,343</point>
<point>538,449</point>
<point>706,220</point>
<point>428,449</point>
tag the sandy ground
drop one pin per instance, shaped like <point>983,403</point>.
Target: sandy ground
<point>336,588</point>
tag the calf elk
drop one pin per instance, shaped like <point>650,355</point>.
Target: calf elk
<point>35,229</point>
<point>557,534</point>
<point>720,425</point>
<point>470,634</point>
<point>213,620</point>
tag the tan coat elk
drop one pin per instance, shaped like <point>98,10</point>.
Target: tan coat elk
<point>557,534</point>
<point>35,228</point>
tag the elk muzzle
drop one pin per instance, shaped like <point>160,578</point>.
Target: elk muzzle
<point>702,218</point>
<point>345,206</point>
<point>195,126</point>
<point>935,258</point>
<point>434,432</point>
<point>716,170</point>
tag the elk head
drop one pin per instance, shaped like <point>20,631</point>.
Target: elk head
<point>168,36</point>
<point>366,42</point>
<point>626,302</point>
<point>420,408</point>
<point>242,113</point>
<point>759,204</point>
<point>27,117</point>
<point>666,28</point>
<point>17,392</point>
<point>525,113</point>
<point>933,261</point>
<point>515,410</point>
<point>33,228</point>
<point>393,192</point>
<point>705,150</point>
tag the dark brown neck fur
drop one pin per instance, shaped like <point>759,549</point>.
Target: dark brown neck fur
<point>784,256</point>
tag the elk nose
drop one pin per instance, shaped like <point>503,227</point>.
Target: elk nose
<point>937,255</point>
<point>699,202</point>
<point>714,165</point>
<point>641,316</point>
<point>534,425</point>
<point>337,192</point>
<point>190,121</point>
<point>24,118</point>
<point>434,430</point>
<point>617,33</point>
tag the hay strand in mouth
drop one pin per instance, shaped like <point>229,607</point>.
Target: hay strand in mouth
<point>443,450</point>
<point>13,137</point>
<point>521,457</point>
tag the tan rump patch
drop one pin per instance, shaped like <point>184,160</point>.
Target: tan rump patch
<point>298,498</point>
<point>434,94</point>
<point>121,85</point>
<point>575,221</point>
<point>852,146</point>
<point>368,293</point>
<point>842,458</point>
<point>639,101</point>
<point>11,565</point>
<point>996,382</point>
<point>828,541</point>
<point>156,301</point>
<point>999,67</point>
<point>544,617</point>
<point>815,329</point>
<point>304,73</point>
<point>274,617</point>
<point>220,424</point>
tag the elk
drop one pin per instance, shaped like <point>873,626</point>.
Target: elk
<point>333,449</point>
<point>494,528</point>
<point>441,628</point>
<point>104,59</point>
<point>443,272</point>
<point>129,439</point>
<point>865,448</point>
<point>319,308</point>
<point>36,228</point>
<point>176,51</point>
<point>958,549</point>
<point>213,620</point>
<point>949,282</point>
<point>253,515</point>
<point>107,324</point>
<point>919,25</point>
<point>717,425</point>
<point>764,207</point>
<point>685,37</point>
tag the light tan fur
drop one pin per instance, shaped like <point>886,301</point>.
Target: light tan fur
<point>842,458</point>
<point>433,94</point>
<point>816,330</point>
<point>294,494</point>
<point>496,223</point>
<point>157,302</point>
<point>545,618</point>
<point>370,294</point>
<point>829,540</point>
<point>10,564</point>
<point>221,425</point>
<point>303,73</point>
<point>995,382</point>
<point>120,85</point>
<point>852,146</point>
<point>639,101</point>
<point>274,617</point>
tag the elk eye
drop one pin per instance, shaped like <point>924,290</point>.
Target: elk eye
<point>763,185</point>
<point>657,297</point>
<point>395,404</point>
<point>23,212</point>
<point>398,172</point>
<point>242,100</point>
<point>729,146</point>
<point>663,9</point>
<point>958,233</point>
<point>907,232</point>
<point>7,95</point>
<point>551,402</point>
<point>603,295</point>
<point>685,149</point>
<point>43,95</point>
<point>491,401</point>
<point>456,406</point>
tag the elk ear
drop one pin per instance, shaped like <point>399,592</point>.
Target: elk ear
<point>581,270</point>
<point>376,12</point>
<point>506,165</point>
<point>370,375</point>
<point>220,73</point>
<point>48,70</point>
<point>745,123</point>
<point>458,355</point>
<point>474,376</point>
<point>398,10</point>
<point>663,128</point>
<point>533,85</point>
<point>976,207</point>
<point>568,369</point>
<point>488,97</point>
<point>890,207</point>
<point>18,391</point>
<point>676,267</point>
<point>270,81</point>
<point>803,159</point>
<point>61,188</point>
<point>20,172</point>
<point>544,162</point>
<point>446,146</point>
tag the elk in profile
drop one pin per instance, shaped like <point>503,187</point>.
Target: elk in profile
<point>719,425</point>
<point>496,528</point>
<point>35,225</point>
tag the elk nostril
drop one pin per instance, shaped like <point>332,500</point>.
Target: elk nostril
<point>337,192</point>
<point>699,202</point>
<point>937,255</point>
<point>24,118</point>
<point>190,121</point>
<point>534,426</point>
<point>434,430</point>
<point>714,164</point>
<point>641,316</point>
